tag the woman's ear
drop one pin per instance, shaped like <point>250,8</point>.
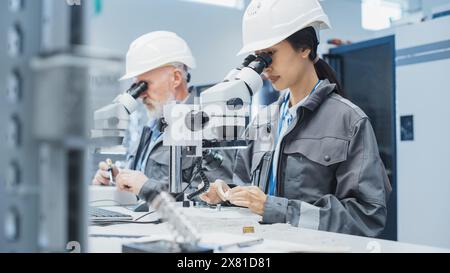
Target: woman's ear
<point>304,53</point>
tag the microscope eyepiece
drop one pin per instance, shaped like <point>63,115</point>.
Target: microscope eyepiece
<point>248,60</point>
<point>262,61</point>
<point>137,89</point>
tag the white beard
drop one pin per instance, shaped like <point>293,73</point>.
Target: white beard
<point>158,108</point>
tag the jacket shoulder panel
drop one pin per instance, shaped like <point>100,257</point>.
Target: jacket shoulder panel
<point>348,106</point>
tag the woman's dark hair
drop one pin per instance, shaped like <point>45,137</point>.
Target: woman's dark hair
<point>307,39</point>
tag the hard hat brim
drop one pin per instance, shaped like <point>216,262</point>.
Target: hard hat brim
<point>190,63</point>
<point>132,75</point>
<point>250,48</point>
<point>260,45</point>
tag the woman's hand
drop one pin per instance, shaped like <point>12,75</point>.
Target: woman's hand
<point>249,197</point>
<point>217,192</point>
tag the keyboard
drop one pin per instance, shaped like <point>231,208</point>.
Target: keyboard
<point>103,215</point>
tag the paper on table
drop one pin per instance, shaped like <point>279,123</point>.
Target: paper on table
<point>221,240</point>
<point>249,243</point>
<point>275,246</point>
<point>129,230</point>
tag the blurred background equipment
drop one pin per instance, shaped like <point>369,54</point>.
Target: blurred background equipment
<point>400,81</point>
<point>55,71</point>
<point>53,85</point>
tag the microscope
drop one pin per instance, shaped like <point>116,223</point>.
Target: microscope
<point>218,123</point>
<point>112,121</point>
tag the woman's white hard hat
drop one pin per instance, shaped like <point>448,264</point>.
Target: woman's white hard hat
<point>268,22</point>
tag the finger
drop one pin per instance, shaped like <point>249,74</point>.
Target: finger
<point>122,184</point>
<point>104,174</point>
<point>101,179</point>
<point>204,197</point>
<point>221,193</point>
<point>115,171</point>
<point>122,187</point>
<point>103,166</point>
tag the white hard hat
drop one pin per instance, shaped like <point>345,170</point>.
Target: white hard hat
<point>154,50</point>
<point>268,22</point>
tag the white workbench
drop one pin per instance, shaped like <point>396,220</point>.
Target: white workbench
<point>229,222</point>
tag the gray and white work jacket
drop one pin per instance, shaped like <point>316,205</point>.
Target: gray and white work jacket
<point>330,176</point>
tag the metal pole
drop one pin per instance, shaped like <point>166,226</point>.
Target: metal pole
<point>175,173</point>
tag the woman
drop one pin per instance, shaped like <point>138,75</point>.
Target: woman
<point>322,169</point>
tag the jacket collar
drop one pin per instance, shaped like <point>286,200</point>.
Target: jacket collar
<point>322,92</point>
<point>190,98</point>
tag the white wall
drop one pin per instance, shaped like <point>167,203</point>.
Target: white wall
<point>345,17</point>
<point>423,183</point>
<point>428,5</point>
<point>213,33</point>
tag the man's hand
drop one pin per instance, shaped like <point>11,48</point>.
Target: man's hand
<point>131,181</point>
<point>249,197</point>
<point>102,175</point>
<point>217,193</point>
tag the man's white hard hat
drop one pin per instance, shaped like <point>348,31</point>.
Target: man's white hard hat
<point>156,49</point>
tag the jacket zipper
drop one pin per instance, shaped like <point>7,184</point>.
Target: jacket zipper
<point>283,143</point>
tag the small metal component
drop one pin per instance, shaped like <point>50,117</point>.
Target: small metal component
<point>12,225</point>
<point>14,86</point>
<point>12,175</point>
<point>15,41</point>
<point>15,5</point>
<point>13,132</point>
<point>110,170</point>
<point>327,158</point>
<point>175,172</point>
<point>248,229</point>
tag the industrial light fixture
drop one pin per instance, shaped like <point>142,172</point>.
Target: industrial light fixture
<point>235,4</point>
<point>379,14</point>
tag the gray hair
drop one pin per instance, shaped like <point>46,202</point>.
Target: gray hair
<point>184,70</point>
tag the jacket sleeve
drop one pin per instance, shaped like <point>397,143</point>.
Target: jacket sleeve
<point>358,212</point>
<point>151,188</point>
